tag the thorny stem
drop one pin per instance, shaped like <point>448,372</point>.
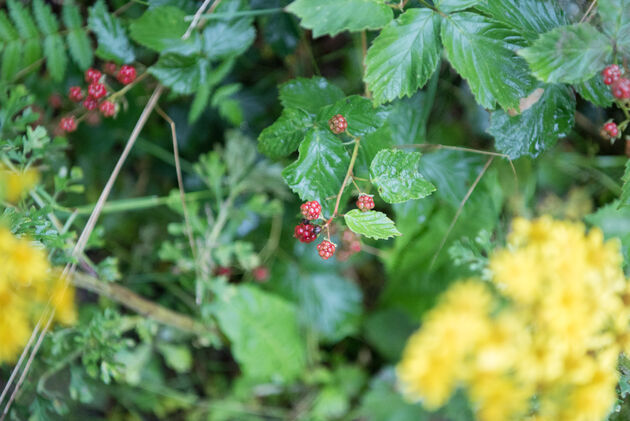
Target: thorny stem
<point>353,159</point>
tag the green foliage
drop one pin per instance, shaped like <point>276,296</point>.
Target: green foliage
<point>615,16</point>
<point>180,73</point>
<point>111,35</point>
<point>396,175</point>
<point>371,224</point>
<point>624,200</point>
<point>160,29</point>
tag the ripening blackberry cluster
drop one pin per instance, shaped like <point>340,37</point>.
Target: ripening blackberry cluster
<point>620,88</point>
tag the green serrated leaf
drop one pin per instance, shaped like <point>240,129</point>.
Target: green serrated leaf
<point>71,15</point>
<point>596,91</point>
<point>362,117</point>
<point>309,94</point>
<point>199,102</point>
<point>615,15</point>
<point>7,31</point>
<point>329,17</point>
<point>11,60</point>
<point>371,224</point>
<point>482,51</point>
<point>45,19</point>
<point>263,332</point>
<point>55,53</point>
<point>624,199</point>
<point>285,135</point>
<point>568,54</point>
<point>180,73</point>
<point>449,6</point>
<point>396,175</point>
<point>32,52</point>
<point>113,43</point>
<point>224,39</point>
<point>529,17</point>
<point>537,128</point>
<point>320,169</point>
<point>404,55</point>
<point>80,48</point>
<point>161,29</point>
<point>23,20</point>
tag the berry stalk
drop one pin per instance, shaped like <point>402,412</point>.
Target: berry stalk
<point>353,160</point>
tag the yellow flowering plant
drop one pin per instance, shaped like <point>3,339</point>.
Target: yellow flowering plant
<point>540,340</point>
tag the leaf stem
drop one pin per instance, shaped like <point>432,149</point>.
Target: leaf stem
<point>353,159</point>
<point>240,13</point>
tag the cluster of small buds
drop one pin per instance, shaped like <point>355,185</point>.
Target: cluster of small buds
<point>338,124</point>
<point>311,210</point>
<point>126,74</point>
<point>619,86</point>
<point>307,231</point>
<point>326,249</point>
<point>610,130</point>
<point>68,124</point>
<point>365,202</point>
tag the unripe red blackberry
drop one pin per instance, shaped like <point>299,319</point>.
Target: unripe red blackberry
<point>107,108</point>
<point>338,124</point>
<point>126,74</point>
<point>97,90</point>
<point>261,273</point>
<point>75,93</point>
<point>365,202</point>
<point>311,210</point>
<point>55,100</point>
<point>90,103</point>
<point>326,249</point>
<point>92,75</point>
<point>610,130</point>
<point>306,233</point>
<point>110,68</point>
<point>68,124</point>
<point>611,74</point>
<point>621,88</point>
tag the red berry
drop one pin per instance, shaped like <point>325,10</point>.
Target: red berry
<point>610,130</point>
<point>326,249</point>
<point>338,124</point>
<point>75,94</point>
<point>92,75</point>
<point>311,210</point>
<point>261,273</point>
<point>55,100</point>
<point>126,74</point>
<point>68,124</point>
<point>110,68</point>
<point>306,233</point>
<point>107,108</point>
<point>97,90</point>
<point>90,103</point>
<point>365,202</point>
<point>621,88</point>
<point>611,73</point>
<point>223,271</point>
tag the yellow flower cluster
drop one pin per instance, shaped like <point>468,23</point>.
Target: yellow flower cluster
<point>26,285</point>
<point>13,185</point>
<point>540,341</point>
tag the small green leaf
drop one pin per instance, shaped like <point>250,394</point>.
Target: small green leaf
<point>614,221</point>
<point>56,59</point>
<point>537,128</point>
<point>7,31</point>
<point>362,117</point>
<point>11,60</point>
<point>371,224</point>
<point>264,334</point>
<point>161,29</point>
<point>180,73</point>
<point>80,48</point>
<point>177,357</point>
<point>320,169</point>
<point>482,51</point>
<point>449,6</point>
<point>285,135</point>
<point>615,15</point>
<point>624,200</point>
<point>396,175</point>
<point>529,17</point>
<point>113,43</point>
<point>309,94</point>
<point>596,91</point>
<point>46,21</point>
<point>329,17</point>
<point>404,55</point>
<point>199,102</point>
<point>230,38</point>
<point>71,15</point>
<point>23,20</point>
<point>32,52</point>
<point>568,54</point>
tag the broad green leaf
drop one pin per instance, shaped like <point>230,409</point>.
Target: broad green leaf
<point>396,175</point>
<point>46,21</point>
<point>228,38</point>
<point>113,43</point>
<point>309,94</point>
<point>263,331</point>
<point>56,59</point>
<point>615,15</point>
<point>387,331</point>
<point>529,17</point>
<point>329,17</point>
<point>22,19</point>
<point>482,51</point>
<point>161,29</point>
<point>71,15</point>
<point>449,6</point>
<point>624,200</point>
<point>404,55</point>
<point>371,224</point>
<point>596,91</point>
<point>362,117</point>
<point>284,136</point>
<point>614,220</point>
<point>320,169</point>
<point>11,60</point>
<point>7,31</point>
<point>182,74</point>
<point>537,128</point>
<point>568,54</point>
<point>80,48</point>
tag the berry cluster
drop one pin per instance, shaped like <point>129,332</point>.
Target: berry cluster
<point>311,210</point>
<point>610,130</point>
<point>365,202</point>
<point>307,231</point>
<point>620,88</point>
<point>96,91</point>
<point>326,249</point>
<point>338,124</point>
